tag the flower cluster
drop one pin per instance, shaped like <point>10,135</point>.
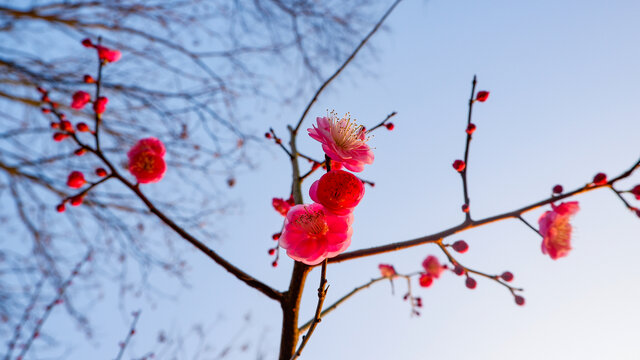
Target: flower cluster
<point>322,230</point>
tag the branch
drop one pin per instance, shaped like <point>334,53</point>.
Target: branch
<point>344,65</point>
<point>466,225</point>
<point>322,292</point>
<point>463,173</point>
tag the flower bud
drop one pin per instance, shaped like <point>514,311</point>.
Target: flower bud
<point>600,179</point>
<point>507,276</point>
<point>76,180</point>
<point>519,300</point>
<point>88,79</point>
<point>389,126</point>
<point>100,105</point>
<point>465,208</point>
<point>101,172</point>
<point>459,165</point>
<point>558,189</point>
<point>482,96</point>
<point>471,128</point>
<point>460,246</point>
<point>425,280</point>
<point>470,283</point>
<point>87,43</point>
<point>82,127</point>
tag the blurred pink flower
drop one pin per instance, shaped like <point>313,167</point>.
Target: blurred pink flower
<point>104,53</point>
<point>339,191</point>
<point>387,271</point>
<point>146,162</point>
<point>343,140</point>
<point>80,99</point>
<point>432,266</point>
<point>556,230</point>
<point>312,234</point>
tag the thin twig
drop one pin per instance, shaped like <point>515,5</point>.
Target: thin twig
<point>322,293</point>
<point>344,65</point>
<point>132,330</point>
<point>463,173</point>
<point>382,122</point>
<point>528,225</point>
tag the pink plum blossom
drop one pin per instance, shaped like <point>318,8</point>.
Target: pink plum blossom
<point>556,230</point>
<point>339,191</point>
<point>80,99</point>
<point>146,160</point>
<point>312,233</point>
<point>343,140</point>
<point>148,144</point>
<point>104,53</point>
<point>432,266</point>
<point>387,271</point>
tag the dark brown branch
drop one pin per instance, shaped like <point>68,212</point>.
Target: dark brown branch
<point>463,173</point>
<point>466,225</point>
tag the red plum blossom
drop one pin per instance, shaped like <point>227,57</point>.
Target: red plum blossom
<point>556,230</point>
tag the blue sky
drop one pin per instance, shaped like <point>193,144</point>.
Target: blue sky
<point>564,89</point>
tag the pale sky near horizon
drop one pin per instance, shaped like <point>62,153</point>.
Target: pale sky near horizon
<point>564,78</point>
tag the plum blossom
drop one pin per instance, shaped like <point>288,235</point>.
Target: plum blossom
<point>282,206</point>
<point>80,99</point>
<point>146,161</point>
<point>106,54</point>
<point>312,233</point>
<point>387,271</point>
<point>343,140</point>
<point>339,191</point>
<point>432,266</point>
<point>556,230</point>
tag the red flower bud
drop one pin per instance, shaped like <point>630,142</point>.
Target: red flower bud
<point>519,300</point>
<point>482,96</point>
<point>465,208</point>
<point>41,90</point>
<point>66,125</point>
<point>636,191</point>
<point>55,125</point>
<point>470,283</point>
<point>45,110</point>
<point>59,136</point>
<point>458,270</point>
<point>460,246</point>
<point>459,165</point>
<point>267,135</point>
<point>106,54</point>
<point>77,200</point>
<point>600,179</point>
<point>80,151</point>
<point>88,79</point>
<point>274,264</point>
<point>425,280</point>
<point>87,43</point>
<point>507,276</point>
<point>272,251</point>
<point>76,180</point>
<point>471,128</point>
<point>558,189</point>
<point>80,99</point>
<point>100,105</point>
<point>101,172</point>
<point>389,126</point>
<point>82,127</point>
<point>276,236</point>
<point>60,208</point>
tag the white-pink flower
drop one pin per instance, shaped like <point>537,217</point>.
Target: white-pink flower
<point>556,230</point>
<point>343,140</point>
<point>312,233</point>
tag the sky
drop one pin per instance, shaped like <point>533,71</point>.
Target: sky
<point>563,78</point>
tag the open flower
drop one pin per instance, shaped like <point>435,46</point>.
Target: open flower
<point>146,161</point>
<point>432,266</point>
<point>312,234</point>
<point>338,190</point>
<point>343,140</point>
<point>556,230</point>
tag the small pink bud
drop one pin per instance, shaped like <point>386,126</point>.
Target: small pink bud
<point>106,54</point>
<point>460,246</point>
<point>267,135</point>
<point>60,208</point>
<point>459,165</point>
<point>276,236</point>
<point>88,79</point>
<point>80,99</point>
<point>470,283</point>
<point>465,208</point>
<point>482,96</point>
<point>274,264</point>
<point>471,128</point>
<point>519,300</point>
<point>45,110</point>
<point>636,191</point>
<point>507,276</point>
<point>600,179</point>
<point>66,125</point>
<point>558,189</point>
<point>55,125</point>
<point>101,172</point>
<point>77,200</point>
<point>389,126</point>
<point>272,251</point>
<point>80,151</point>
